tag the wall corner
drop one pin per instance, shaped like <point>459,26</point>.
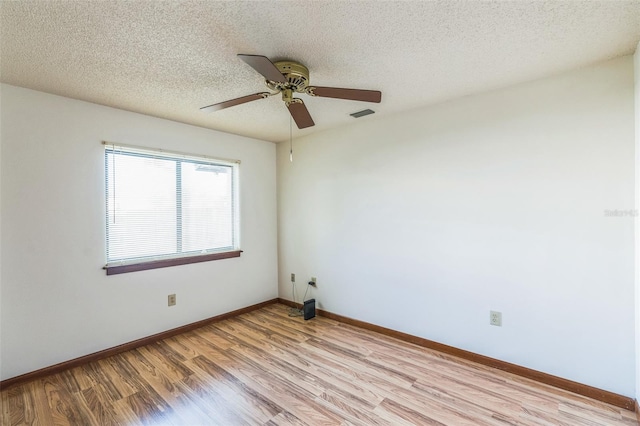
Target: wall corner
<point>636,73</point>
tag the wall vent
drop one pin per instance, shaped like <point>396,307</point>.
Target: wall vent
<point>362,113</point>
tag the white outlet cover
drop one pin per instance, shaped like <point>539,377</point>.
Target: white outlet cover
<point>495,318</point>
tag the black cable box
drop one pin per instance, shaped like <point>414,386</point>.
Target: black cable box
<point>309,309</point>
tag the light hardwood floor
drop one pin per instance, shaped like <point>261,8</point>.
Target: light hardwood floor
<point>265,367</point>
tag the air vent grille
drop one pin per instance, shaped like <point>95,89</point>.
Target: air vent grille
<point>297,83</point>
<point>362,113</point>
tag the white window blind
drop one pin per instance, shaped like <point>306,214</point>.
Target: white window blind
<point>162,205</point>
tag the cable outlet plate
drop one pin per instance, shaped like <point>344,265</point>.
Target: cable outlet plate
<point>172,299</point>
<point>495,318</point>
<point>313,281</point>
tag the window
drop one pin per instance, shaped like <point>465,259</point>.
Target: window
<point>166,209</point>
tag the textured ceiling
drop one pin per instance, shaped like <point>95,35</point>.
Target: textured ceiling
<point>168,59</point>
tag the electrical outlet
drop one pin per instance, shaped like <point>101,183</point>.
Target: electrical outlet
<point>293,277</point>
<point>313,280</point>
<point>495,318</point>
<point>172,299</point>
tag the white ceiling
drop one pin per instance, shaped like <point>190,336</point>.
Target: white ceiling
<point>168,59</point>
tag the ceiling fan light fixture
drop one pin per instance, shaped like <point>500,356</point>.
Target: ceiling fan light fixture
<point>362,113</point>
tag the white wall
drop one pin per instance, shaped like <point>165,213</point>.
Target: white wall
<point>0,228</point>
<point>636,71</point>
<point>423,222</point>
<point>57,302</point>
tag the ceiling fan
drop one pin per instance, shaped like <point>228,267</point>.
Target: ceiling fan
<point>287,77</point>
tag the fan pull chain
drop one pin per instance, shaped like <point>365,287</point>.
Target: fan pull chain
<point>290,141</point>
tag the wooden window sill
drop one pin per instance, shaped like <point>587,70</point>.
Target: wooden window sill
<point>142,266</point>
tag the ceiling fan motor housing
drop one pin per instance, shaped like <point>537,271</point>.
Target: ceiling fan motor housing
<point>297,76</point>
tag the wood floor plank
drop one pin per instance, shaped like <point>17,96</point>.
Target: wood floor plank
<point>270,357</point>
<point>400,414</point>
<point>151,409</point>
<point>14,406</point>
<point>64,408</point>
<point>125,415</point>
<point>217,409</point>
<point>285,418</point>
<point>268,368</point>
<point>237,393</point>
<point>165,360</point>
<point>5,411</point>
<point>358,368</point>
<point>452,393</point>
<point>346,408</point>
<point>154,382</point>
<point>101,381</point>
<point>298,400</point>
<point>36,396</point>
<point>178,345</point>
<point>104,413</point>
<point>313,370</point>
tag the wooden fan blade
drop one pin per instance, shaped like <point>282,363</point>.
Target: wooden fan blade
<point>300,114</point>
<point>234,102</point>
<point>350,94</point>
<point>264,66</point>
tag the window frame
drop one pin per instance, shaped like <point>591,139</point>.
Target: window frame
<point>178,258</point>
